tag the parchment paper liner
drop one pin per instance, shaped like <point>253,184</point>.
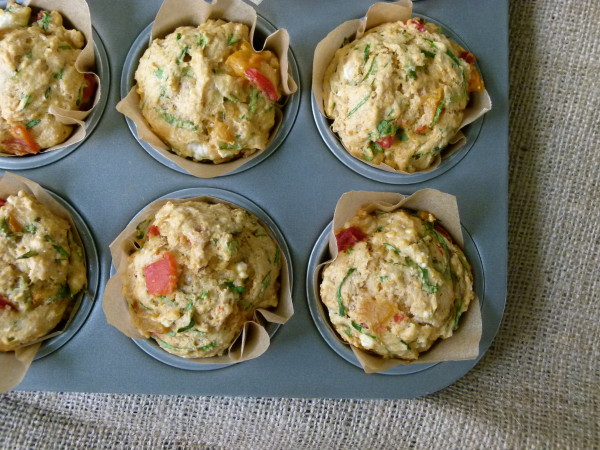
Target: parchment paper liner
<point>77,13</point>
<point>464,342</point>
<point>14,365</point>
<point>378,14</point>
<point>253,340</point>
<point>176,13</point>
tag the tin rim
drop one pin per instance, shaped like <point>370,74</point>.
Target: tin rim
<point>320,254</point>
<point>359,166</point>
<point>91,122</point>
<point>152,348</point>
<point>289,109</point>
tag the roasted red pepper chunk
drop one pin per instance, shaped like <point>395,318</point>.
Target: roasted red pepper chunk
<point>89,90</point>
<point>262,83</point>
<point>2,202</point>
<point>386,142</point>
<point>161,276</point>
<point>468,57</point>
<point>153,230</point>
<point>398,318</point>
<point>348,237</point>
<point>418,25</point>
<point>5,304</point>
<point>22,143</point>
<point>422,130</point>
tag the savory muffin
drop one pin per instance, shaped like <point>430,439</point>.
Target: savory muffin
<point>207,94</point>
<point>41,269</point>
<point>201,272</point>
<point>38,74</point>
<point>398,284</point>
<point>397,95</point>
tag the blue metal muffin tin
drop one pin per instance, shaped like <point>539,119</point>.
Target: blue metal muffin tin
<point>110,177</point>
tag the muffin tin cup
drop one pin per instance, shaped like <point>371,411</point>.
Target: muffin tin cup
<point>48,157</point>
<point>289,109</point>
<point>320,254</point>
<point>450,158</point>
<point>149,346</point>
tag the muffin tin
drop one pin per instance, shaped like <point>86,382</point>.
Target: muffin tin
<point>110,177</point>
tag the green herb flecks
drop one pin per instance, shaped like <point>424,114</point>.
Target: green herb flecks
<point>47,92</point>
<point>30,228</point>
<point>62,293</point>
<point>59,75</point>
<point>25,101</point>
<point>32,123</point>
<point>207,347</point>
<point>233,246</point>
<point>175,121</point>
<point>187,327</point>
<point>265,283</point>
<point>56,246</point>
<point>361,329</point>
<point>44,21</point>
<point>426,285</point>
<point>384,278</point>
<point>361,103</point>
<point>366,52</point>
<point>458,313</point>
<point>184,52</point>
<point>345,42</point>
<point>233,288</point>
<point>29,254</point>
<point>65,47</point>
<point>438,113</point>
<point>411,73</point>
<point>201,40</point>
<point>203,295</point>
<point>141,228</point>
<point>386,128</point>
<point>5,229</point>
<point>408,347</point>
<point>225,146</point>
<point>233,39</point>
<point>342,311</point>
<point>167,346</point>
<point>453,58</point>
<point>401,135</point>
<point>428,54</point>
<point>277,257</point>
<point>178,36</point>
<point>79,93</point>
<point>253,100</point>
<point>372,70</point>
<point>158,73</point>
<point>431,43</point>
<point>372,150</point>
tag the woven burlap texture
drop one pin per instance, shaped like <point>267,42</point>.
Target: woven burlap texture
<point>539,384</point>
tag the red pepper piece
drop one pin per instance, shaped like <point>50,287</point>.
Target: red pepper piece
<point>418,25</point>
<point>398,318</point>
<point>5,304</point>
<point>386,142</point>
<point>153,230</point>
<point>348,237</point>
<point>89,90</point>
<point>262,83</point>
<point>468,57</point>
<point>422,130</point>
<point>2,202</point>
<point>161,276</point>
<point>23,142</point>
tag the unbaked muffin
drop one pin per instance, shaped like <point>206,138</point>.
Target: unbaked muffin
<point>201,272</point>
<point>398,284</point>
<point>37,73</point>
<point>207,94</point>
<point>397,95</point>
<point>41,269</point>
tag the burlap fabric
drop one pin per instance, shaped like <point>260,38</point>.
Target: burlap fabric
<point>539,384</point>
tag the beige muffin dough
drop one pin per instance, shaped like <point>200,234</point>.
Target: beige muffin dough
<point>37,72</point>
<point>201,272</point>
<point>41,270</point>
<point>397,95</point>
<point>399,283</point>
<point>207,94</point>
